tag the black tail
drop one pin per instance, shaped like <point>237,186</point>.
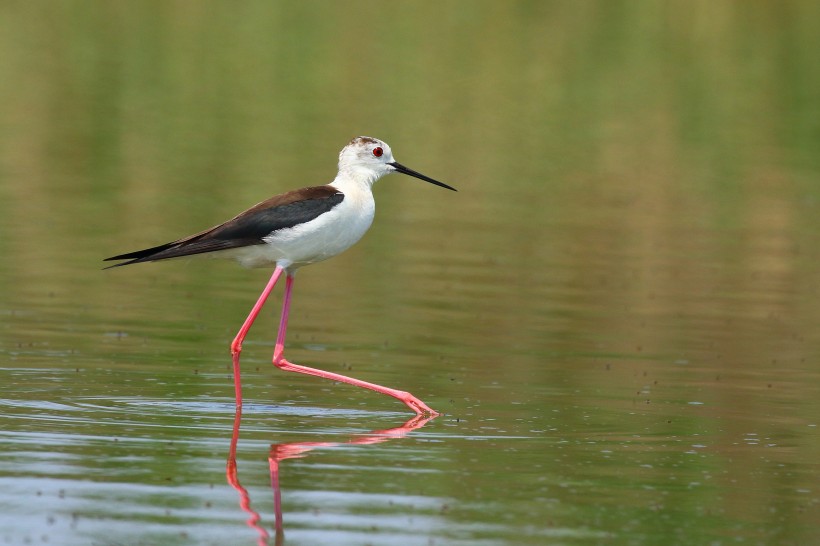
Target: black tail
<point>140,256</point>
<point>190,246</point>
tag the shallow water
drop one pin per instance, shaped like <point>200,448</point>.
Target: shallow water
<point>617,313</point>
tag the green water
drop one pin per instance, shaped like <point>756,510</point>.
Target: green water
<point>618,311</point>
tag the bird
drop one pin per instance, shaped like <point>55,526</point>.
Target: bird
<point>292,230</point>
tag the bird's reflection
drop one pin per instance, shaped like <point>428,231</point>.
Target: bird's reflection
<point>292,450</point>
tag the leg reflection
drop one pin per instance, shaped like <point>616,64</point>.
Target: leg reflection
<point>294,450</point>
<point>244,497</point>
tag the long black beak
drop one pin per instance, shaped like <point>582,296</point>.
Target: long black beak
<point>404,170</point>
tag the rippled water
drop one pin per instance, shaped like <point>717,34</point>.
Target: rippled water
<point>617,313</point>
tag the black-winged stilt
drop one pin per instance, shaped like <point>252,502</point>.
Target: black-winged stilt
<point>294,229</point>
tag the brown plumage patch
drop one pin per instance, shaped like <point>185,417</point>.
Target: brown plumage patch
<point>364,139</point>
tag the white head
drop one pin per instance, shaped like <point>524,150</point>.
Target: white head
<point>366,159</point>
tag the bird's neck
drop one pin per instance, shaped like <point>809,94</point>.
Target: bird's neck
<point>355,180</point>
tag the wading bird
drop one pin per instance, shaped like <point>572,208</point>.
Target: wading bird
<point>294,229</point>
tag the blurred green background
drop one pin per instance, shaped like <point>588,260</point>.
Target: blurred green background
<point>629,269</point>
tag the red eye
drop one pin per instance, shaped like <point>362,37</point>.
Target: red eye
<point>378,152</point>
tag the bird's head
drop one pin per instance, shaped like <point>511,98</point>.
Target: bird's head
<point>367,159</point>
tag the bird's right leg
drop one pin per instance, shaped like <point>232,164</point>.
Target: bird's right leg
<point>279,361</point>
<point>236,345</point>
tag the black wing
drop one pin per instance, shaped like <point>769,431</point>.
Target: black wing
<point>247,228</point>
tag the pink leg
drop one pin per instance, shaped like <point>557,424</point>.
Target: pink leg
<point>278,360</point>
<point>236,345</point>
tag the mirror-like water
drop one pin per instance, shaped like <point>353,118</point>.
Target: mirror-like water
<point>617,312</point>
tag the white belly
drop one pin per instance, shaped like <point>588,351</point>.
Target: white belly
<point>324,237</point>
